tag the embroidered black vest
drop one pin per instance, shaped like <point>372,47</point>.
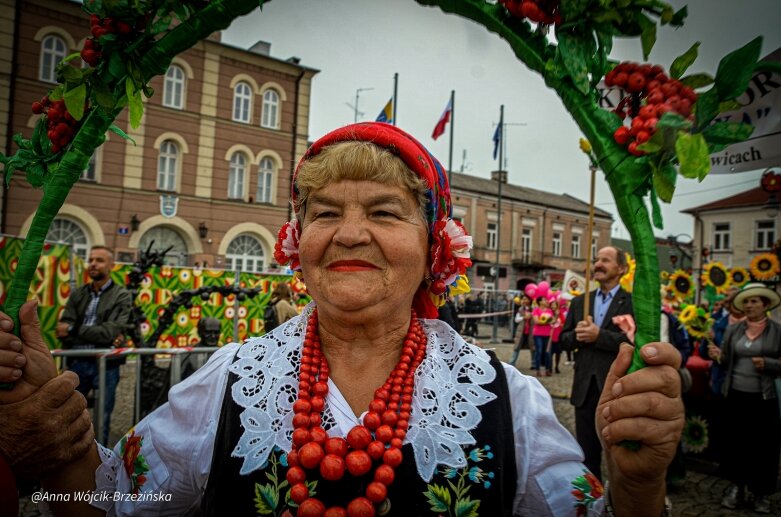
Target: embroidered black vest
<point>485,486</point>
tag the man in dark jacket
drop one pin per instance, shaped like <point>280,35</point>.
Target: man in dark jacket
<point>595,341</point>
<point>96,316</point>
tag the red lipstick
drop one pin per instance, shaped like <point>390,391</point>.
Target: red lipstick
<point>351,266</point>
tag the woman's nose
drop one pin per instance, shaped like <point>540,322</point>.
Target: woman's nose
<point>352,231</point>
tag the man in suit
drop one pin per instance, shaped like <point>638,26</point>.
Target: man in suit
<point>595,341</point>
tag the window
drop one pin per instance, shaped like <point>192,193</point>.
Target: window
<point>237,171</point>
<point>165,237</point>
<point>69,232</point>
<point>721,234</point>
<point>270,117</point>
<point>53,50</point>
<point>490,239</point>
<point>556,244</point>
<point>576,246</point>
<point>265,177</point>
<point>245,253</point>
<point>766,235</point>
<point>90,173</point>
<point>173,88</point>
<point>242,103</point>
<point>167,166</point>
<point>526,245</point>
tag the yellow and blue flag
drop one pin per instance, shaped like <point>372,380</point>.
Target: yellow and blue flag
<point>386,115</point>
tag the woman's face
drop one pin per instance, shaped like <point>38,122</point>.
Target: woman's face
<point>543,303</point>
<point>363,246</point>
<point>754,307</point>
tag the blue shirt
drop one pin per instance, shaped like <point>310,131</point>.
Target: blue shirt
<point>602,304</point>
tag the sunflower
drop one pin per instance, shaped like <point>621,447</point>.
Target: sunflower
<point>628,280</point>
<point>664,275</point>
<point>699,326</point>
<point>681,284</point>
<point>738,276</point>
<point>716,275</point>
<point>695,434</point>
<point>765,266</point>
<point>688,314</point>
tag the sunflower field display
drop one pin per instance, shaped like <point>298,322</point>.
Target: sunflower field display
<point>715,275</point>
<point>765,266</point>
<point>738,276</point>
<point>680,285</point>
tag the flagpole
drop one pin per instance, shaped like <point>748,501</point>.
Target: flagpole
<point>395,89</point>
<point>498,227</point>
<point>452,127</point>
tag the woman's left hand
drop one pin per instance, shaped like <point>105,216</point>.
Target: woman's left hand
<point>759,363</point>
<point>644,406</point>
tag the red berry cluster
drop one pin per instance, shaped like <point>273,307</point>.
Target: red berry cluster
<point>100,27</point>
<point>60,124</point>
<point>544,12</point>
<point>651,94</point>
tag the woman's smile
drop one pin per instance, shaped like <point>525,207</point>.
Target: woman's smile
<point>350,266</point>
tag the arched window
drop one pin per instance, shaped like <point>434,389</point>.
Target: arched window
<point>246,253</point>
<point>237,171</point>
<point>69,232</point>
<point>173,88</point>
<point>167,165</point>
<point>265,180</point>
<point>242,102</point>
<point>270,117</point>
<point>53,50</point>
<point>165,237</point>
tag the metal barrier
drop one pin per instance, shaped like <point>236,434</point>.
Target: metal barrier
<point>102,354</point>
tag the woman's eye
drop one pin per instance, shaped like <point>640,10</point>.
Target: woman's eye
<point>383,213</point>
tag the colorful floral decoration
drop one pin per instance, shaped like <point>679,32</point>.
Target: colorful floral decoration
<point>765,266</point>
<point>681,285</point>
<point>286,248</point>
<point>450,252</point>
<point>688,314</point>
<point>738,276</point>
<point>454,499</point>
<point>133,461</point>
<point>695,437</point>
<point>664,276</point>
<point>697,321</point>
<point>628,280</point>
<point>587,489</point>
<point>716,276</point>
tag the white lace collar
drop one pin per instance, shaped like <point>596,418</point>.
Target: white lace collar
<point>444,409</point>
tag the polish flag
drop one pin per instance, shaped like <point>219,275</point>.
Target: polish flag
<point>439,129</point>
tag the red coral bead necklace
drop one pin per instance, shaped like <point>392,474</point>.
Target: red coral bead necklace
<point>379,439</point>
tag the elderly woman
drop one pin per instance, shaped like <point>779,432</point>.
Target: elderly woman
<point>750,355</point>
<point>363,405</point>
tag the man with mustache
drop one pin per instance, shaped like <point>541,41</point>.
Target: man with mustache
<point>96,316</point>
<point>595,340</point>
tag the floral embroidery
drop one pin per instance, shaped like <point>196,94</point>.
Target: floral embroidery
<point>587,490</point>
<point>267,496</point>
<point>454,498</point>
<point>286,248</point>
<point>134,462</point>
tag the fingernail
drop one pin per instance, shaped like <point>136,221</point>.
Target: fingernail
<point>617,389</point>
<point>6,325</point>
<point>20,361</point>
<point>606,432</point>
<point>17,373</point>
<point>16,345</point>
<point>651,351</point>
<point>606,413</point>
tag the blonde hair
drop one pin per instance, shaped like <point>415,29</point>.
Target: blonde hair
<point>359,161</point>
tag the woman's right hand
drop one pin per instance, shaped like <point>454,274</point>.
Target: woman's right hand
<point>39,367</point>
<point>714,352</point>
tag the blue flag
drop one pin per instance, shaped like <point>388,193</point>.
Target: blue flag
<point>497,139</point>
<point>386,115</point>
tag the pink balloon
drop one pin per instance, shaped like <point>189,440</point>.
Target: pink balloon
<point>542,289</point>
<point>531,291</point>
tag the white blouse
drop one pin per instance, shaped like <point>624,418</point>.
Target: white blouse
<point>178,438</point>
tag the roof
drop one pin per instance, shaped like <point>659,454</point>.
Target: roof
<point>753,198</point>
<point>527,195</point>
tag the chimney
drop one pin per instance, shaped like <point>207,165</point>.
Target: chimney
<point>262,48</point>
<point>497,174</point>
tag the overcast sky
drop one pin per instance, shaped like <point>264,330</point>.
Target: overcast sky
<point>362,43</point>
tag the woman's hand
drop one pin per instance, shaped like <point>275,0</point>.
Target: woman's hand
<point>644,406</point>
<point>759,363</point>
<point>714,352</point>
<point>39,367</point>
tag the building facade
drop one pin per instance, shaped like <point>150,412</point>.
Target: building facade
<point>209,173</point>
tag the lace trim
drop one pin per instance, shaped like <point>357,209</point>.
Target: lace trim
<point>106,478</point>
<point>445,407</point>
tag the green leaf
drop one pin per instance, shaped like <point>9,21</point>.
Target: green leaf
<point>575,53</point>
<point>22,142</point>
<point>160,25</point>
<point>571,9</point>
<point>70,57</point>
<point>116,65</point>
<point>438,498</point>
<point>664,182</point>
<point>673,121</point>
<point>116,129</point>
<point>693,155</point>
<point>72,74</point>
<point>730,105</point>
<point>56,94</point>
<point>74,101</point>
<point>707,107</point>
<point>656,211</point>
<point>655,144</point>
<point>36,174</point>
<point>261,504</point>
<point>466,507</point>
<point>697,80</point>
<point>736,69</point>
<point>39,136</point>
<point>684,61</point>
<point>679,16</point>
<point>648,36</point>
<point>135,104</point>
<point>102,94</point>
<point>725,133</point>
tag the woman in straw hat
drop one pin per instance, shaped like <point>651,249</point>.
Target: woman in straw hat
<point>749,354</point>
